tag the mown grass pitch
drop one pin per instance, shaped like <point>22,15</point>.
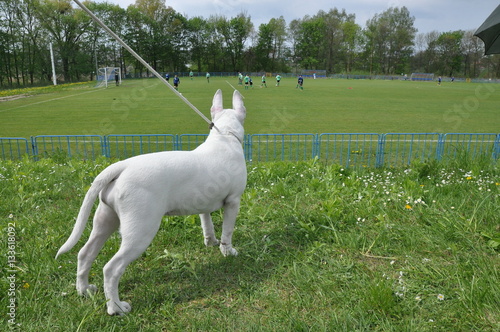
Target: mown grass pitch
<point>324,106</point>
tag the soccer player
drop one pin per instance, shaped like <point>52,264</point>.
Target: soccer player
<point>278,80</point>
<point>191,75</point>
<point>300,82</point>
<point>167,76</point>
<point>208,77</point>
<point>177,81</point>
<point>263,81</point>
<point>247,81</point>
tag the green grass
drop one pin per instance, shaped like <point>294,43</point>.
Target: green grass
<point>322,248</point>
<point>325,106</point>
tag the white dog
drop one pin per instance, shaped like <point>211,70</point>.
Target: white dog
<point>137,192</point>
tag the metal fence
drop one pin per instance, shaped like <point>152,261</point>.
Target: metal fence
<point>349,150</point>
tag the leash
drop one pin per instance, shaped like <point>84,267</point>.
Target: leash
<point>141,60</point>
<point>234,88</point>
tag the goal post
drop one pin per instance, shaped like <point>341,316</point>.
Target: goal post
<point>422,77</point>
<point>108,75</point>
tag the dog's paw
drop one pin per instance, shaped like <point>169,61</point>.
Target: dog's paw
<point>120,308</point>
<point>88,290</point>
<point>228,250</point>
<point>211,241</point>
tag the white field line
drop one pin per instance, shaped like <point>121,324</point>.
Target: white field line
<point>59,98</point>
<point>47,101</point>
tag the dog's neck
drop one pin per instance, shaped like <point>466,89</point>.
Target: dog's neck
<point>236,136</point>
<point>223,132</point>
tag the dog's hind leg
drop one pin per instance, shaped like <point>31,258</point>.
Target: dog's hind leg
<point>137,235</point>
<point>105,223</point>
<point>208,230</point>
<point>231,208</point>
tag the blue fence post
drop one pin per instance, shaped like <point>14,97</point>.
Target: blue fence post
<point>105,147</point>
<point>34,148</point>
<point>440,147</point>
<point>315,152</point>
<point>176,143</point>
<point>247,147</point>
<point>380,150</point>
<point>496,148</point>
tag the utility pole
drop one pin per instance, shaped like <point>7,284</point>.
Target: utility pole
<point>54,78</point>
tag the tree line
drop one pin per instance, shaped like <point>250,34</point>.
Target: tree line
<point>331,40</point>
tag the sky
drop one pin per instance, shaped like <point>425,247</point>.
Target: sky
<point>430,15</point>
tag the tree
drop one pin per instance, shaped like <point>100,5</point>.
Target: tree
<point>197,38</point>
<point>448,52</point>
<point>269,51</point>
<point>310,37</point>
<point>390,38</point>
<point>235,32</point>
<point>157,33</point>
<point>66,26</point>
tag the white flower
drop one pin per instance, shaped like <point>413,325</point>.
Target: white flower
<point>440,297</point>
<point>11,216</point>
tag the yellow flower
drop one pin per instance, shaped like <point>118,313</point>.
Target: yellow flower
<point>26,285</point>
<point>469,178</point>
<point>408,207</point>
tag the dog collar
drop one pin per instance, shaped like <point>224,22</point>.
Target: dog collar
<point>231,133</point>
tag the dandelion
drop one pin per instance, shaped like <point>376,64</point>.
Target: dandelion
<point>26,285</point>
<point>440,297</point>
<point>408,207</point>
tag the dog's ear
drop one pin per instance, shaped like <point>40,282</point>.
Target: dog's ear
<point>238,104</point>
<point>217,103</point>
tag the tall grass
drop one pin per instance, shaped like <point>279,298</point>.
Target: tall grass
<point>322,248</point>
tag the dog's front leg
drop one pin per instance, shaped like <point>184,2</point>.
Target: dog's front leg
<point>208,230</point>
<point>231,208</point>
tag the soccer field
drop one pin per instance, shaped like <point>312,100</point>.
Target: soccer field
<point>324,106</point>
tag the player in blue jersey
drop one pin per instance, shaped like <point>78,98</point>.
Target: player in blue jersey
<point>300,82</point>
<point>177,81</point>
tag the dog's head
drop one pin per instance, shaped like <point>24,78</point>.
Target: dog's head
<point>228,119</point>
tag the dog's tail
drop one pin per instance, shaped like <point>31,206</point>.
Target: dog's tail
<point>101,181</point>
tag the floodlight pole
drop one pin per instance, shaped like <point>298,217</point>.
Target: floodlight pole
<point>54,78</point>
<point>143,62</point>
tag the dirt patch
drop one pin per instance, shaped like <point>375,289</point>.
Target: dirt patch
<point>9,98</point>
